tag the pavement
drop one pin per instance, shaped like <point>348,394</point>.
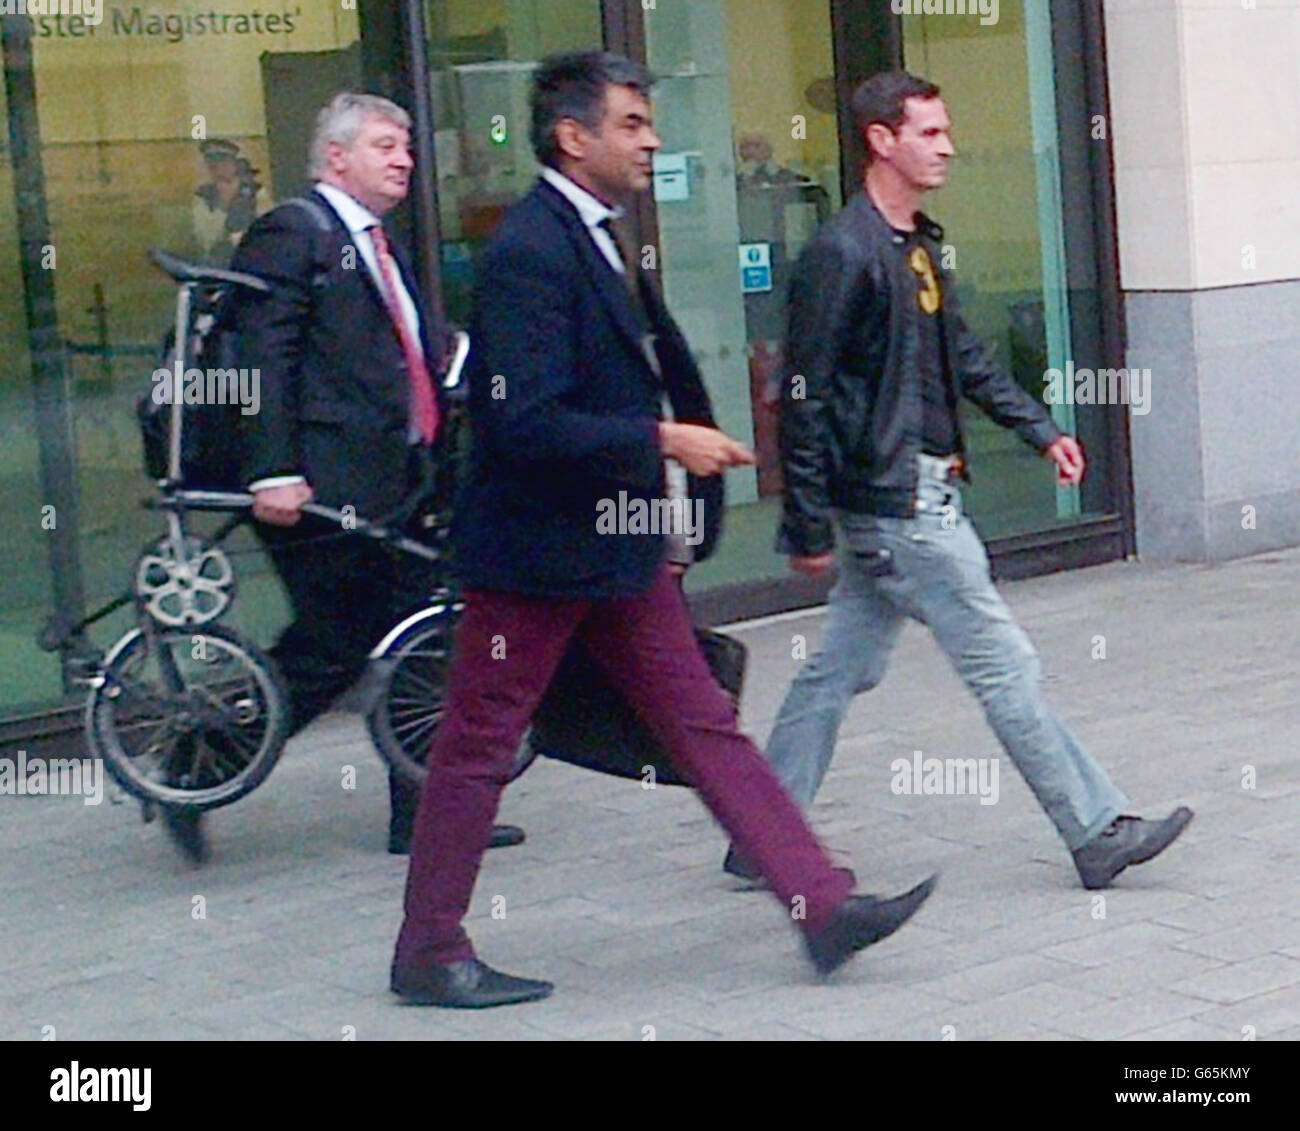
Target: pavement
<point>618,897</point>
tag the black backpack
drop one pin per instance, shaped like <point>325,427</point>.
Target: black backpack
<point>212,426</point>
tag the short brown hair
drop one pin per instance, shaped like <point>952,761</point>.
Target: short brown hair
<point>882,100</point>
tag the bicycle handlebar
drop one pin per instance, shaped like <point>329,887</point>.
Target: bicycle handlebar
<point>242,500</point>
<point>373,530</point>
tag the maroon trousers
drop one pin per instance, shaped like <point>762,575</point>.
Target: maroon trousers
<point>507,649</point>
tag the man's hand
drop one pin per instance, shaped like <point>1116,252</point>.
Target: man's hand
<point>281,506</point>
<point>1068,457</point>
<point>813,565</point>
<point>702,451</point>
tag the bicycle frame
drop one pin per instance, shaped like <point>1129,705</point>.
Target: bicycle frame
<point>171,570</point>
<point>184,302</point>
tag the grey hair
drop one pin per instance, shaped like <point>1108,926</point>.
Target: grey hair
<point>573,86</point>
<point>341,122</point>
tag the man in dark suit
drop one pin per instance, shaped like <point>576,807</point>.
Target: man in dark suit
<point>573,355</point>
<point>349,412</point>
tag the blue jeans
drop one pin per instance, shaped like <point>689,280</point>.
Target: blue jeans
<point>933,568</point>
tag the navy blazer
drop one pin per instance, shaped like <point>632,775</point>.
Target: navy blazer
<point>563,409</point>
<point>334,388</point>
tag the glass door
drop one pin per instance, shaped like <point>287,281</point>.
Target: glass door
<point>1002,213</point>
<point>482,54</point>
<point>749,169</point>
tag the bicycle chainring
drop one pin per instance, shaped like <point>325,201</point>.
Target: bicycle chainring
<point>182,589</point>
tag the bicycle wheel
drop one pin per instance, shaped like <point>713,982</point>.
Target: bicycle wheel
<point>188,718</point>
<point>409,674</point>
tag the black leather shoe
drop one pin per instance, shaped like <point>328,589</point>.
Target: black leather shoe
<point>1125,841</point>
<point>506,836</point>
<point>739,866</point>
<point>469,984</point>
<point>185,827</point>
<point>862,920</point>
<point>503,836</point>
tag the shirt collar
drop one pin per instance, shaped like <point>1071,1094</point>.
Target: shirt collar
<point>592,211</point>
<point>925,225</point>
<point>355,215</point>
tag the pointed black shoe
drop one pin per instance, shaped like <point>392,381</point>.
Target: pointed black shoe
<point>1125,841</point>
<point>185,828</point>
<point>503,836</point>
<point>737,865</point>
<point>468,984</point>
<point>862,920</point>
<point>506,836</point>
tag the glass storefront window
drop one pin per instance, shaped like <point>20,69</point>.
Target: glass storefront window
<point>159,127</point>
<point>25,591</point>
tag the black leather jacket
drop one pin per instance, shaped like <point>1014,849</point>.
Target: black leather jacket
<point>851,429</point>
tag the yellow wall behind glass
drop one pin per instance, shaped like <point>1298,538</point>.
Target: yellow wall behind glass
<point>121,159</point>
<point>991,201</point>
<point>121,83</point>
<point>456,18</point>
<point>777,49</point>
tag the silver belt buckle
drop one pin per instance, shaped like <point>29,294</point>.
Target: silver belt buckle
<point>936,470</point>
<point>933,467</point>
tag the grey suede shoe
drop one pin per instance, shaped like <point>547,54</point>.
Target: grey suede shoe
<point>1125,841</point>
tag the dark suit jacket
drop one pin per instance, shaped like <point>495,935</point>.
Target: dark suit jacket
<point>334,389</point>
<point>563,409</point>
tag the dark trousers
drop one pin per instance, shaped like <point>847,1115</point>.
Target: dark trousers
<point>507,648</point>
<point>346,591</point>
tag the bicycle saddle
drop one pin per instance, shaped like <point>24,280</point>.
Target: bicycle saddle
<point>184,272</point>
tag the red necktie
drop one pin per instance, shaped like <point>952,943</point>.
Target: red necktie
<point>424,409</point>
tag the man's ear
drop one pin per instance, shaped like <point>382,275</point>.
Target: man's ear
<point>882,137</point>
<point>334,155</point>
<point>569,137</point>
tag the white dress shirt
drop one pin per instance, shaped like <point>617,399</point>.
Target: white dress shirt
<point>594,212</point>
<point>359,220</point>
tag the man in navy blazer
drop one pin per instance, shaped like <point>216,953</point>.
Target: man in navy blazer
<point>574,359</point>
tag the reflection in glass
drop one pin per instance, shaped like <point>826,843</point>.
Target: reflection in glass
<point>482,54</point>
<point>26,677</point>
<point>750,168</point>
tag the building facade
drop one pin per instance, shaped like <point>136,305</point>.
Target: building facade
<point>1206,103</point>
<point>1083,196</point>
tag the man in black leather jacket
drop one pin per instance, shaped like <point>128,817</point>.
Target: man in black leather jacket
<point>877,360</point>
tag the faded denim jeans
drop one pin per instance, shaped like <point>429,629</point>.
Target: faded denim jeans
<point>933,568</point>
